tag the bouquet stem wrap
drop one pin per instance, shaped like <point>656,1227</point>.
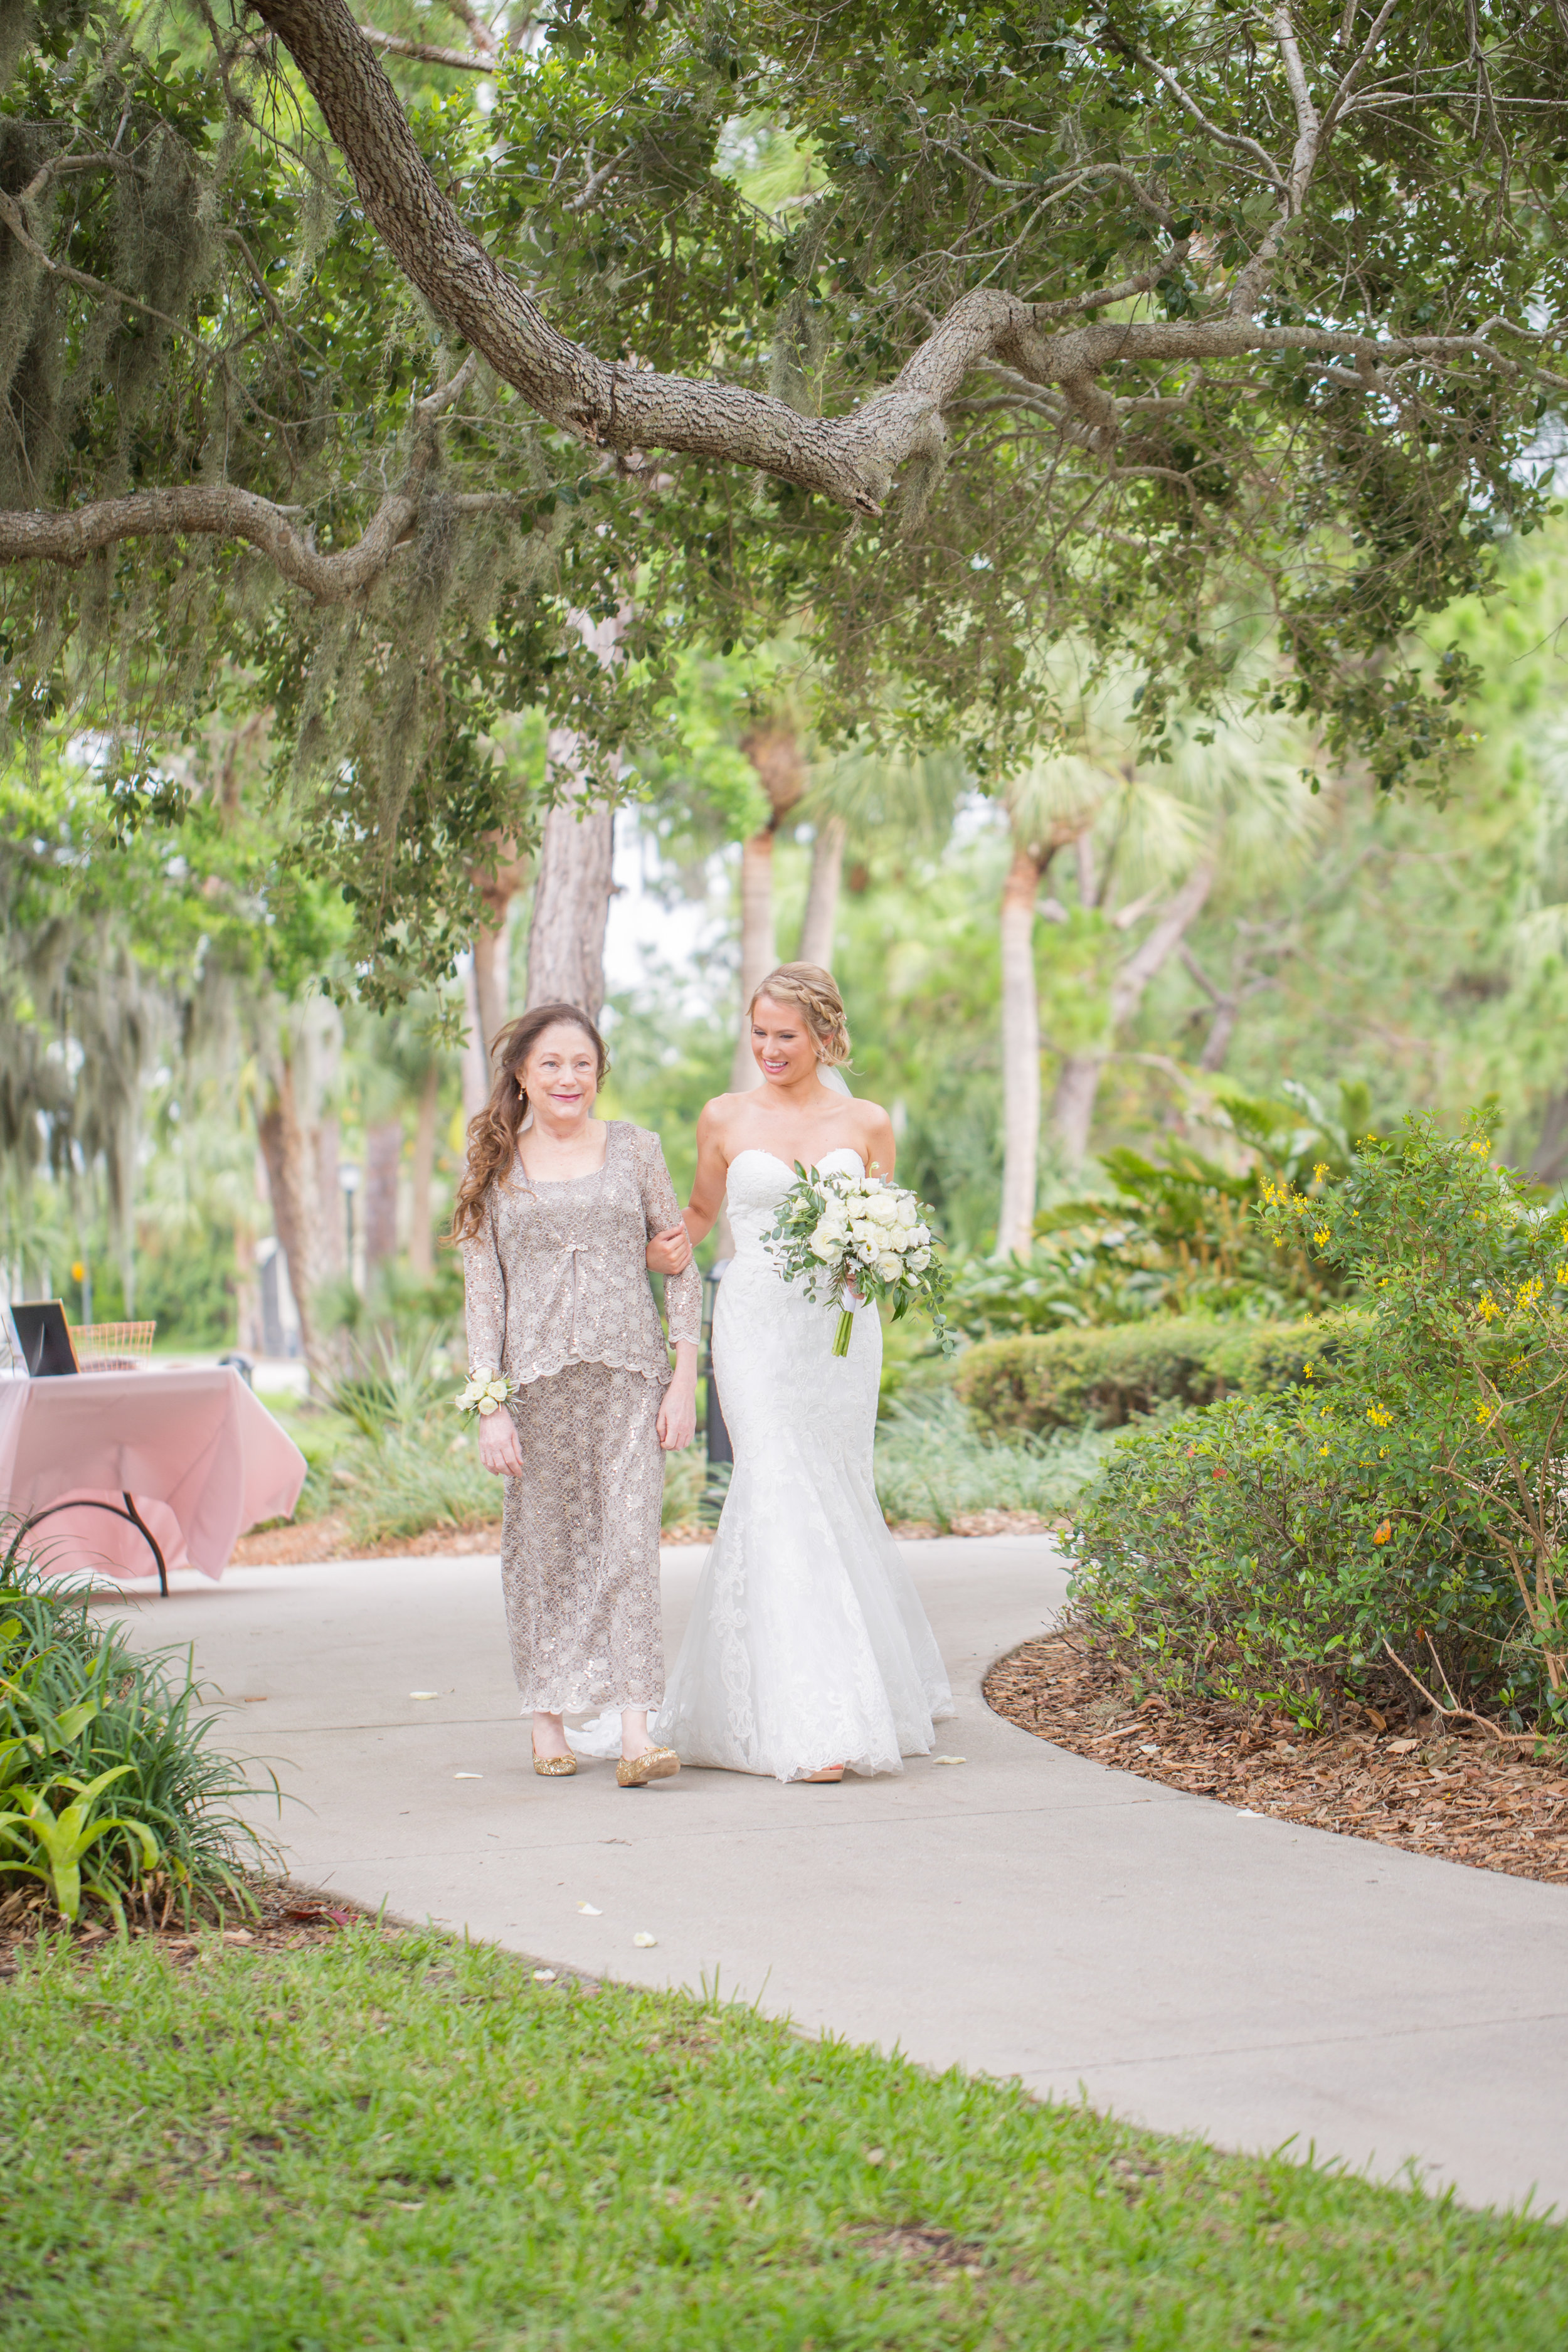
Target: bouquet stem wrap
<point>841,1336</point>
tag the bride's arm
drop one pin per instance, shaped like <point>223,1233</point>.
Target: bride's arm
<point>712,1173</point>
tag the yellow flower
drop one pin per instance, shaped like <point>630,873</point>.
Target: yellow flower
<point>1562,1271</point>
<point>1320,1172</point>
<point>1482,1409</point>
<point>1483,1144</point>
<point>1378,1418</point>
<point>1322,1449</point>
<point>1321,1237</point>
<point>1531,1291</point>
<point>1486,1307</point>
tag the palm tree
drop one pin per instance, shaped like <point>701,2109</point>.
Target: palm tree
<point>1151,836</point>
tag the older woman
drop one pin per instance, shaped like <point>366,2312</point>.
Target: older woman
<point>554,1214</point>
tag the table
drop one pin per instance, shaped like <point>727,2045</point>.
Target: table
<point>133,1473</point>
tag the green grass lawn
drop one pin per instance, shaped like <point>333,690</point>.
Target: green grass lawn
<point>396,2140</point>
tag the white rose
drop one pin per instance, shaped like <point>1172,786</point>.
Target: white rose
<point>886,1210</point>
<point>489,1404</point>
<point>889,1266</point>
<point>908,1209</point>
<point>921,1236</point>
<point>919,1260</point>
<point>824,1246</point>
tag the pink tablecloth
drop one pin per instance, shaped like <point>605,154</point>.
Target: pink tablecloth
<point>200,1457</point>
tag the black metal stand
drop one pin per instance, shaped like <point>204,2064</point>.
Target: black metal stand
<point>719,1446</point>
<point>129,1513</point>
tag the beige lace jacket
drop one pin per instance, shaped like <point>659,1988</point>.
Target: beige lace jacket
<point>556,1273</point>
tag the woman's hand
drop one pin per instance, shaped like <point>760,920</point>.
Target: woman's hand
<point>498,1449</point>
<point>676,1423</point>
<point>669,1252</point>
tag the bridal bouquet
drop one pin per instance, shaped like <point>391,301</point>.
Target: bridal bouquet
<point>486,1394</point>
<point>843,1232</point>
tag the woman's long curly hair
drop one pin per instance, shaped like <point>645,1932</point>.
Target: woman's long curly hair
<point>493,1133</point>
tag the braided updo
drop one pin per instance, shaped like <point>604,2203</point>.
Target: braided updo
<point>816,991</point>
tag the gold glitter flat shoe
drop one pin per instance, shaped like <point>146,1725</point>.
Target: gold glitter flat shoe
<point>554,1767</point>
<point>653,1764</point>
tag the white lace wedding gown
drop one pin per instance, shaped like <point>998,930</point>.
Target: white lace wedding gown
<point>807,1644</point>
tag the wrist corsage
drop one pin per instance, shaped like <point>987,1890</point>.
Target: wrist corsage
<point>487,1393</point>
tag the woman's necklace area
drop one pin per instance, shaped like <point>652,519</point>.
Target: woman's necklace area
<point>577,1155</point>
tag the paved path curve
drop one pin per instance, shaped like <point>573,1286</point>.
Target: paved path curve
<point>1026,1913</point>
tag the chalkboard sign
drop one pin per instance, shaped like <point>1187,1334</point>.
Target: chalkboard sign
<point>43,1337</point>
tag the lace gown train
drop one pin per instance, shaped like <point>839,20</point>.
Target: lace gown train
<point>807,1645</point>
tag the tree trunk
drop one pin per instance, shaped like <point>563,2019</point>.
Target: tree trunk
<point>759,949</point>
<point>1072,1106</point>
<point>498,888</point>
<point>822,898</point>
<point>382,1164</point>
<point>296,1210</point>
<point>773,751</point>
<point>573,886</point>
<point>475,1060</point>
<point>1020,1054</point>
<point>331,1253</point>
<point>490,983</point>
<point>1072,1110</point>
<point>421,1240</point>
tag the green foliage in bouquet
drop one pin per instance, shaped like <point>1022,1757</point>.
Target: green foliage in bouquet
<point>844,1235</point>
<point>1403,1526</point>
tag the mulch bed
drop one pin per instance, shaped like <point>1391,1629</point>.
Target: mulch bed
<point>285,1919</point>
<point>1451,1791</point>
<point>327,1538</point>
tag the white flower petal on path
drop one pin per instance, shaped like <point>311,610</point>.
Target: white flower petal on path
<point>544,1976</point>
<point>467,1776</point>
<point>644,1942</point>
<point>950,1759</point>
<point>424,1694</point>
<point>590,1910</point>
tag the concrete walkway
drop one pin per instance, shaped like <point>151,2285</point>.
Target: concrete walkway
<point>1025,1912</point>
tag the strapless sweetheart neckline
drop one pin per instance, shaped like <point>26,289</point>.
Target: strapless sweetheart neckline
<point>758,1151</point>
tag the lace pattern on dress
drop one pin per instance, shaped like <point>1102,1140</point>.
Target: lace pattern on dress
<point>556,1272</point>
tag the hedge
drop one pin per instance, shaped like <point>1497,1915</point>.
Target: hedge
<point>1104,1378</point>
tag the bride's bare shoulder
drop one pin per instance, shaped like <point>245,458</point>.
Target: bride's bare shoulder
<point>718,1115</point>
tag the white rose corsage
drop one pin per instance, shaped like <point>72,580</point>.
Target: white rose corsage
<point>487,1393</point>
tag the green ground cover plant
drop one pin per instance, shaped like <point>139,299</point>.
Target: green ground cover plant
<point>401,2140</point>
<point>109,1790</point>
<point>932,1463</point>
<point>1396,1517</point>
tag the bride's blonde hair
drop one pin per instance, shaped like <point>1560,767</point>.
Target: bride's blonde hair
<point>816,991</point>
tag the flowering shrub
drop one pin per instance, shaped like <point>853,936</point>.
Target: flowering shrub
<point>1406,1520</point>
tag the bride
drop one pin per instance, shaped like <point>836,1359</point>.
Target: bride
<point>809,1652</point>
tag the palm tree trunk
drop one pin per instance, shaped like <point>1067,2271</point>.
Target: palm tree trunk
<point>1072,1106</point>
<point>821,897</point>
<point>773,751</point>
<point>421,1240</point>
<point>573,886</point>
<point>383,1165</point>
<point>296,1209</point>
<point>1020,1054</point>
<point>759,947</point>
